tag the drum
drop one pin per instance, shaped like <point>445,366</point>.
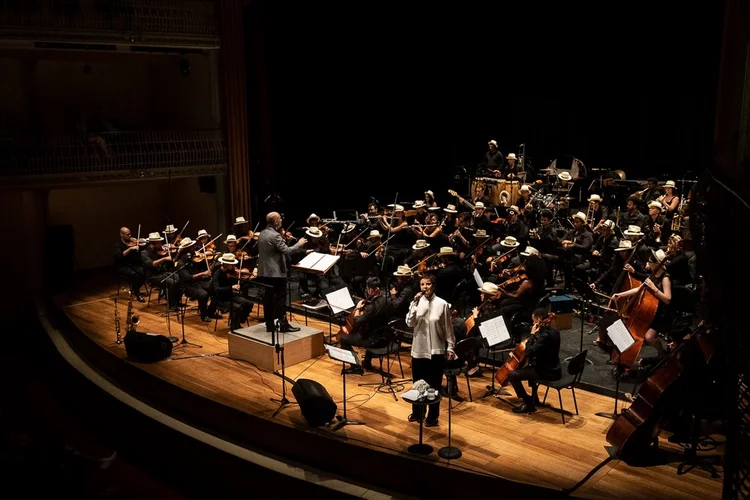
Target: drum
<point>513,187</point>
<point>548,201</point>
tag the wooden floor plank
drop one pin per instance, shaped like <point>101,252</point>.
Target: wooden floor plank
<point>535,449</point>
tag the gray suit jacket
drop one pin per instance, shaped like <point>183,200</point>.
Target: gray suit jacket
<point>272,250</point>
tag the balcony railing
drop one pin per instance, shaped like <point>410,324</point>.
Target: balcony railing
<point>110,156</point>
<point>189,23</point>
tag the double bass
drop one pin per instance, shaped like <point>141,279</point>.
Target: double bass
<point>517,359</point>
<point>638,426</point>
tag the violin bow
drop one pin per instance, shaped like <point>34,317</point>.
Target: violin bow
<point>488,238</point>
<point>376,248</point>
<point>423,260</point>
<point>356,238</point>
<point>249,239</point>
<point>138,239</point>
<point>335,252</point>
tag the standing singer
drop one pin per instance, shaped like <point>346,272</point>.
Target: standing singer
<point>272,249</point>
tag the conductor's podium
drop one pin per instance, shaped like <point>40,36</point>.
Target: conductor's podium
<point>254,344</point>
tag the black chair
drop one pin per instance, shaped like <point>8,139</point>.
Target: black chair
<point>464,350</point>
<point>521,321</point>
<point>575,371</point>
<point>394,336</point>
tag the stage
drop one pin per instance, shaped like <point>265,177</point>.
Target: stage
<point>532,449</point>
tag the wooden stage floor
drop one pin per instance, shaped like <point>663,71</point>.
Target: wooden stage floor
<point>536,449</point>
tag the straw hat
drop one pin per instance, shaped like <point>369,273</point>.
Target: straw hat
<point>155,237</point>
<point>228,258</point>
<point>403,271</point>
<point>312,217</point>
<point>530,251</point>
<point>429,191</point>
<point>564,176</point>
<point>670,184</point>
<point>659,255</point>
<point>186,242</point>
<point>446,251</point>
<point>314,232</point>
<point>488,288</point>
<point>609,224</point>
<point>511,156</point>
<point>525,187</point>
<point>513,210</point>
<point>633,231</point>
<point>170,229</point>
<point>419,204</point>
<point>203,233</point>
<point>655,204</point>
<point>451,209</point>
<point>374,234</point>
<point>239,220</point>
<point>398,208</point>
<point>231,239</point>
<point>624,245</point>
<point>420,244</point>
<point>434,209</point>
<point>479,204</point>
<point>481,233</point>
<point>510,242</point>
<point>493,142</point>
<point>580,215</point>
<point>595,197</point>
<point>348,228</point>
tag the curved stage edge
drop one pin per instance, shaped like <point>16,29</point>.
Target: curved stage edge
<point>224,450</point>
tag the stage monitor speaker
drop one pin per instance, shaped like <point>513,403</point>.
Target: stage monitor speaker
<point>147,347</point>
<point>317,406</point>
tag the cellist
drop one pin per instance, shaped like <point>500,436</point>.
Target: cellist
<point>370,318</point>
<point>661,287</point>
<point>543,353</point>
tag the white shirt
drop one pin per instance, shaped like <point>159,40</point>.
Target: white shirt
<point>433,327</point>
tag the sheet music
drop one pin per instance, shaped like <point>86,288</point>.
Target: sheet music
<point>310,260</point>
<point>325,262</point>
<point>478,278</point>
<point>620,335</point>
<point>343,355</point>
<point>495,331</point>
<point>340,300</point>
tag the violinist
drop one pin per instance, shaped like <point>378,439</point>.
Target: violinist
<point>528,281</point>
<point>128,262</point>
<point>543,353</point>
<point>196,279</point>
<point>449,274</point>
<point>489,296</point>
<point>462,237</point>
<point>403,292</point>
<point>318,242</point>
<point>397,227</point>
<point>420,250</point>
<point>314,221</point>
<point>158,264</point>
<point>661,287</point>
<point>507,260</point>
<point>225,286</point>
<point>370,319</point>
<point>479,251</point>
<point>526,207</point>
<point>172,238</point>
<point>241,227</point>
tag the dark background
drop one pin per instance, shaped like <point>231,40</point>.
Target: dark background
<point>375,99</point>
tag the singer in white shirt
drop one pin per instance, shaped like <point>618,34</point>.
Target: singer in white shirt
<point>430,317</point>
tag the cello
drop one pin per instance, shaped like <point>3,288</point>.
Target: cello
<point>349,327</point>
<point>638,426</point>
<point>517,359</point>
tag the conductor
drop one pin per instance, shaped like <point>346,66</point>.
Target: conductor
<point>272,270</point>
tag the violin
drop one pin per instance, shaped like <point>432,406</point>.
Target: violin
<point>207,255</point>
<point>241,273</point>
<point>517,359</point>
<point>140,243</point>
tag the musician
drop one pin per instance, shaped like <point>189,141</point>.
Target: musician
<point>203,241</point>
<point>370,319</point>
<point>479,251</point>
<point>449,273</point>
<point>654,226</point>
<point>493,162</point>
<point>158,265</point>
<point>370,219</point>
<point>546,231</point>
<point>226,287</point>
<point>489,295</point>
<point>242,227</point>
<point>510,171</point>
<point>543,353</point>
<point>196,279</point>
<point>603,251</point>
<point>171,233</point>
<point>577,245</point>
<point>479,219</point>
<point>515,225</point>
<point>421,213</point>
<point>661,287</point>
<point>670,200</point>
<point>632,216</point>
<point>530,289</point>
<point>432,344</point>
<point>128,262</point>
<point>508,243</point>
<point>403,292</point>
<point>272,271</point>
<point>652,192</point>
<point>429,199</point>
<point>461,238</point>
<point>397,227</point>
<point>599,212</point>
<point>481,193</point>
<point>526,208</point>
<point>420,250</point>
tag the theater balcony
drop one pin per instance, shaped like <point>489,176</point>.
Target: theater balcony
<point>128,25</point>
<point>57,161</point>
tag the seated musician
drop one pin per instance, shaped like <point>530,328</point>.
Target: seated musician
<point>632,216</point>
<point>371,316</point>
<point>479,252</point>
<point>431,232</point>
<point>577,245</point>
<point>370,219</point>
<point>510,171</point>
<point>514,226</point>
<point>543,353</point>
<point>510,261</point>
<point>527,212</point>
<point>528,281</point>
<point>449,220</point>
<point>652,191</point>
<point>172,235</point>
<point>195,276</point>
<point>493,162</point>
<point>429,199</point>
<point>397,228</point>
<point>655,226</point>
<point>449,274</point>
<point>481,193</point>
<point>226,287</point>
<point>241,227</point>
<point>159,266</point>
<point>670,200</point>
<point>603,251</point>
<point>661,287</point>
<point>563,184</point>
<point>547,243</point>
<point>420,215</point>
<point>128,262</point>
<point>319,243</point>
<point>480,220</point>
<point>599,211</point>
<point>489,296</point>
<point>403,291</point>
<point>461,236</point>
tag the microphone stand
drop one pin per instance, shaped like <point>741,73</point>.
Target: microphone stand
<point>280,357</point>
<point>171,338</point>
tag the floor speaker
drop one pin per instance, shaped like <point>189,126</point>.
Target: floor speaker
<point>317,406</point>
<point>147,347</point>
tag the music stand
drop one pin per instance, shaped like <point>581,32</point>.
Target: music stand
<point>345,356</point>
<point>585,291</point>
<point>494,332</point>
<point>171,337</point>
<point>339,301</point>
<point>622,340</point>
